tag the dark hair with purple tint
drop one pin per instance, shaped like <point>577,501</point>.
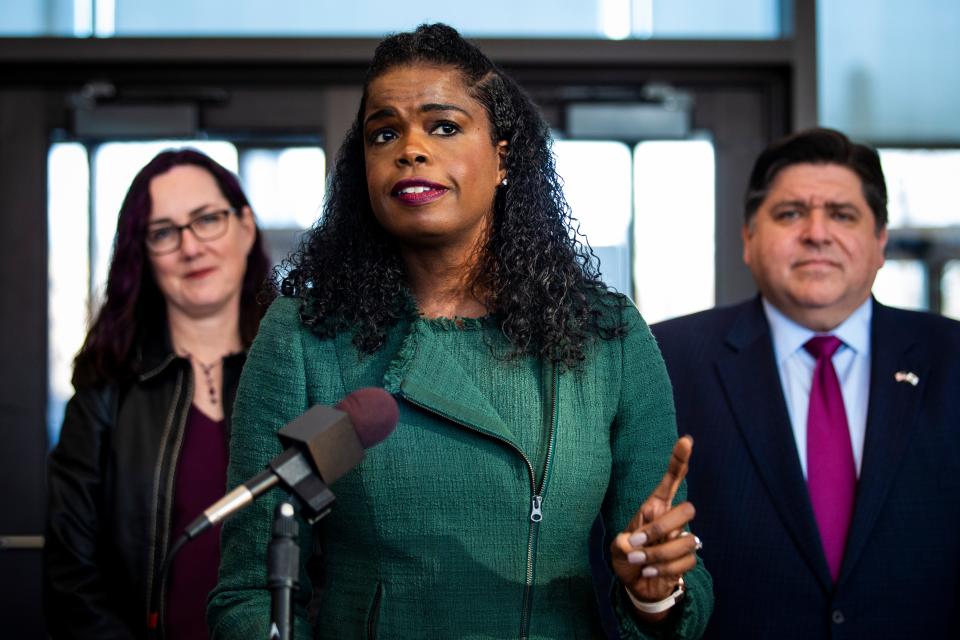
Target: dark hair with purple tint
<point>134,308</point>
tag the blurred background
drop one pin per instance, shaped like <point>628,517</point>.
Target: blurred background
<point>659,108</point>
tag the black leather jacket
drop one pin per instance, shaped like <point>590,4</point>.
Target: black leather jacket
<point>110,487</point>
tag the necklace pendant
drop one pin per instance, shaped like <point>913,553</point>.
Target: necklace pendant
<point>207,370</point>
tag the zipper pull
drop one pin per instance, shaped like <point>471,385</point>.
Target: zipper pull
<point>536,515</point>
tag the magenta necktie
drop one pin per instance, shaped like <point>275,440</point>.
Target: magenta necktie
<point>831,474</point>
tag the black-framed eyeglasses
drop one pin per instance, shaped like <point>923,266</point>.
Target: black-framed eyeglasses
<point>207,226</point>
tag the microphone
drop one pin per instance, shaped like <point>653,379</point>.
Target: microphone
<point>321,445</point>
<point>283,559</point>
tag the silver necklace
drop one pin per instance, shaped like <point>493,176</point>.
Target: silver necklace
<point>207,374</point>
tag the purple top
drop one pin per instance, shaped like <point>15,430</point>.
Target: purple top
<point>201,479</point>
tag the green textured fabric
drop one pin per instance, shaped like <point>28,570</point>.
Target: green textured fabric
<point>431,536</point>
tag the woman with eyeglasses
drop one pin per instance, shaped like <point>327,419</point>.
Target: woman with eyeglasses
<point>143,447</point>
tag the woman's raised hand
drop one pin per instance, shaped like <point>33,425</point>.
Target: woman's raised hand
<point>654,551</point>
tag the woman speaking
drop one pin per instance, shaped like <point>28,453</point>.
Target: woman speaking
<point>531,398</point>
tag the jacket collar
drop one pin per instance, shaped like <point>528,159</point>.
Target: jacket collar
<point>155,355</point>
<point>425,374</point>
<point>429,376</point>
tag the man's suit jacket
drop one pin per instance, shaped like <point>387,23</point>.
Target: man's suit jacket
<point>901,570</point>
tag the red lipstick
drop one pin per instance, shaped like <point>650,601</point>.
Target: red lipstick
<point>416,191</point>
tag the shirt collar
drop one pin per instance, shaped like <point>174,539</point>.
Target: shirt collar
<point>789,337</point>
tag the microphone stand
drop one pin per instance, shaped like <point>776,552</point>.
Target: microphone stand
<point>283,571</point>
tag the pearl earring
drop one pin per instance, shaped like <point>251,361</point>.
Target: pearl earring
<point>503,182</point>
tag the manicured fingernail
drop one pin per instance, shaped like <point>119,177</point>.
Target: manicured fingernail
<point>636,557</point>
<point>649,572</point>
<point>638,539</point>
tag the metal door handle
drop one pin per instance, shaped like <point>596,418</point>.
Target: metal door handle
<point>8,543</point>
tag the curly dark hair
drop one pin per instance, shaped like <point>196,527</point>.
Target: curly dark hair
<point>534,274</point>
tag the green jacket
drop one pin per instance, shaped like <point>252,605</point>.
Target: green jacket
<point>438,533</point>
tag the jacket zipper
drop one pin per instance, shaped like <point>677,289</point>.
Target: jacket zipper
<point>374,614</point>
<point>536,493</point>
<point>156,598</point>
<point>536,512</point>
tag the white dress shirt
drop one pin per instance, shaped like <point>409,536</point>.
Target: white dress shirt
<point>852,364</point>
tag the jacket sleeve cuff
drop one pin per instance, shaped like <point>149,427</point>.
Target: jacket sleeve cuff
<point>687,619</point>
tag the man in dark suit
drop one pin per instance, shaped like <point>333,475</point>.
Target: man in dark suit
<point>826,472</point>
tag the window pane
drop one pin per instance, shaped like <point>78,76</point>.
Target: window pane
<point>747,19</point>
<point>536,18</point>
<point>596,184</point>
<point>285,185</point>
<point>950,287</point>
<point>42,17</point>
<point>372,18</point>
<point>674,227</point>
<point>887,69</point>
<point>902,283</point>
<point>920,186</point>
<point>68,218</point>
<point>114,166</point>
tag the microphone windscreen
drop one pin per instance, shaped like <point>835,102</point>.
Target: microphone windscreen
<point>373,412</point>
